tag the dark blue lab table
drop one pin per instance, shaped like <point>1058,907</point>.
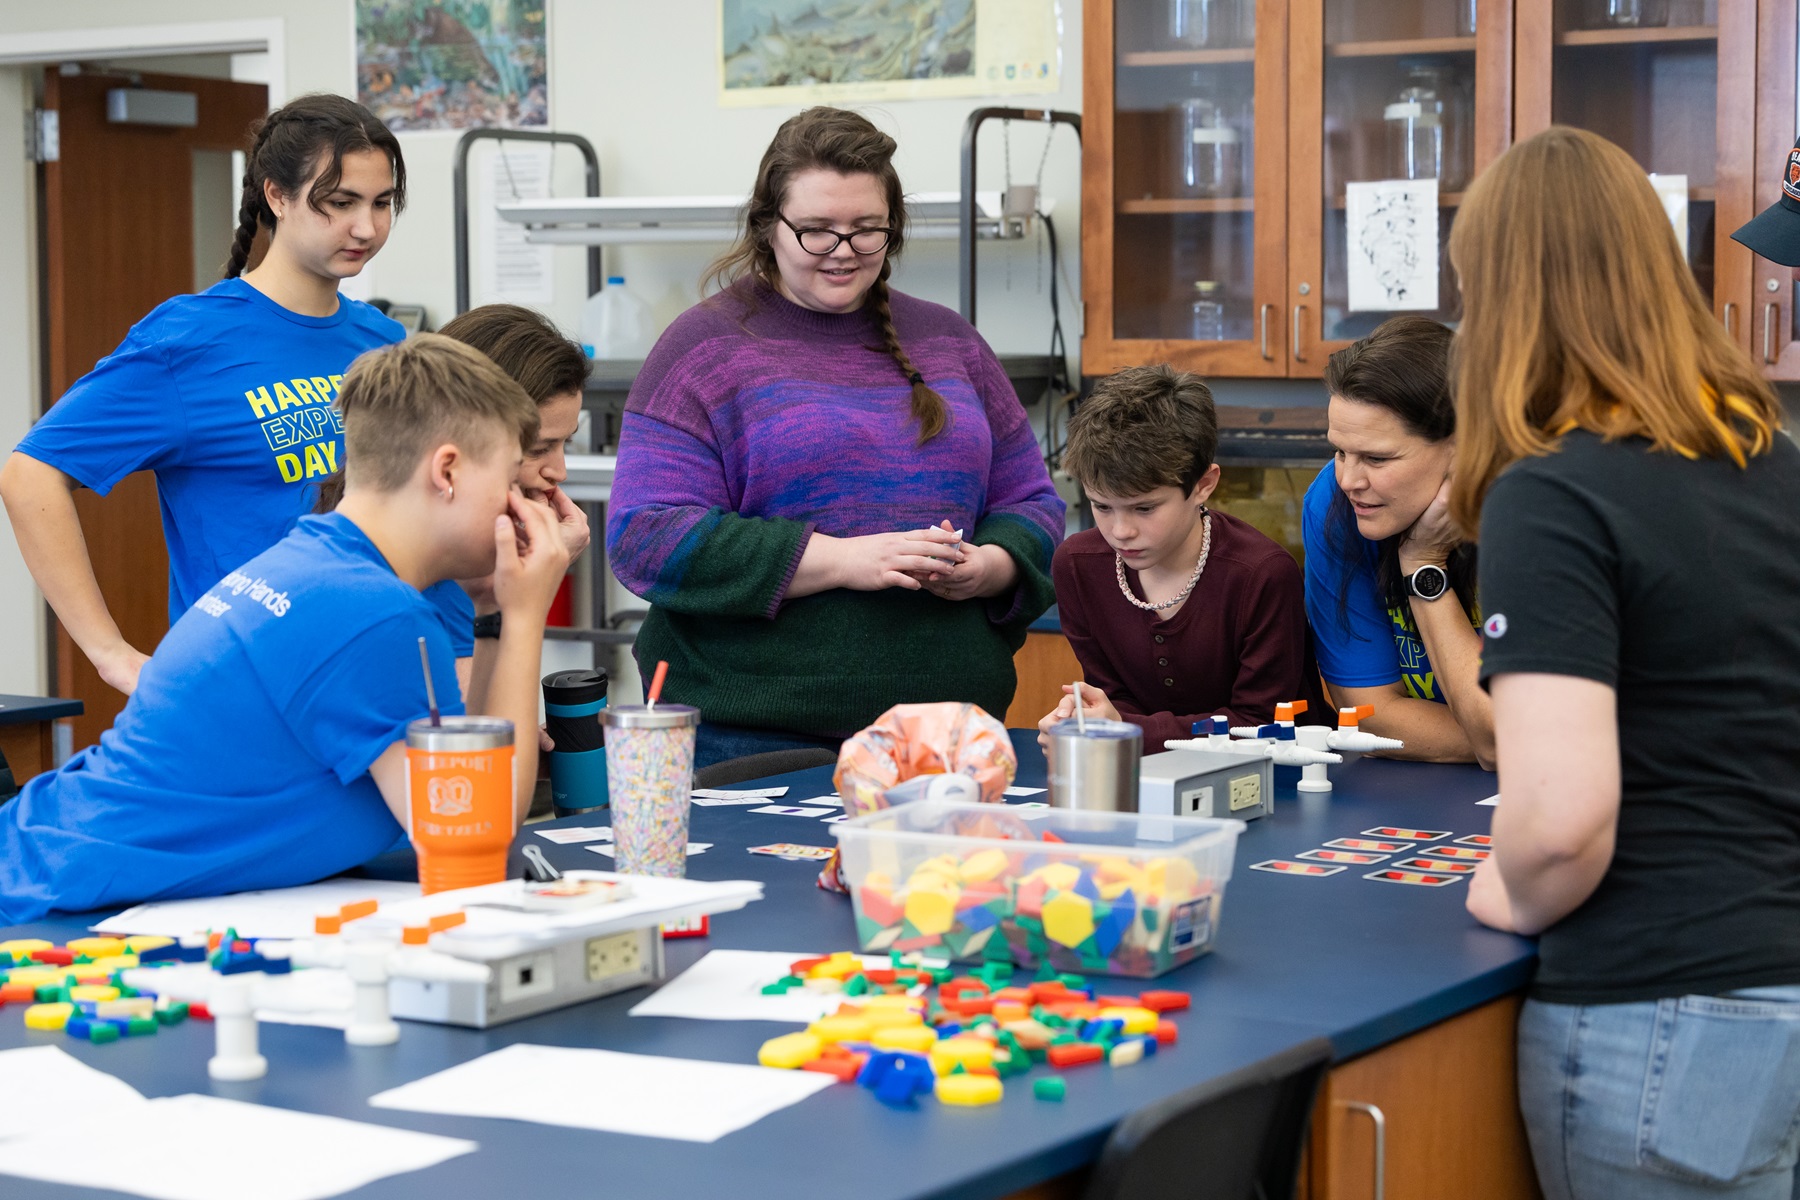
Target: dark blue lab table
<point>1360,962</point>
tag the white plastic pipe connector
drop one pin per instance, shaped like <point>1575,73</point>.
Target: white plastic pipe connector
<point>235,1056</point>
<point>1312,775</point>
<point>1356,741</point>
<point>371,1024</point>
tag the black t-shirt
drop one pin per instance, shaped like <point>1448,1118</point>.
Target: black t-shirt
<point>1677,583</point>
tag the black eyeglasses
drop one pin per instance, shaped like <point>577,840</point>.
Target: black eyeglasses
<point>823,241</point>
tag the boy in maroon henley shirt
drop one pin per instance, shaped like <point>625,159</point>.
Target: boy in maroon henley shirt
<point>1177,613</point>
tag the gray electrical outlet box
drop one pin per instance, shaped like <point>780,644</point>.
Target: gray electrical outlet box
<point>1206,783</point>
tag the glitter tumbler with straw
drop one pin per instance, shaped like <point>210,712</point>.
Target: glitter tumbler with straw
<point>649,775</point>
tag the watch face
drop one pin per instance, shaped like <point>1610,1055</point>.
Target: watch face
<point>1428,583</point>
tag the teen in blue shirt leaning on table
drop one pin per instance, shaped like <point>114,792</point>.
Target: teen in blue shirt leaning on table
<point>226,395</point>
<point>1390,586</point>
<point>265,744</point>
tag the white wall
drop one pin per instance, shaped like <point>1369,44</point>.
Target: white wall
<point>22,631</point>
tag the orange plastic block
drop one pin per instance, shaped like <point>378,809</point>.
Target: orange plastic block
<point>879,974</point>
<point>362,908</point>
<point>1013,995</point>
<point>447,921</point>
<point>54,956</point>
<point>1166,1033</point>
<point>1119,1002</point>
<point>18,993</point>
<point>1050,837</point>
<point>844,1065</point>
<point>971,1006</point>
<point>956,987</point>
<point>1049,991</point>
<point>1005,1011</point>
<point>1073,1054</point>
<point>1163,1001</point>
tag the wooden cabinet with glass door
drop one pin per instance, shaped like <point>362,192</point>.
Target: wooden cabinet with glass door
<point>1394,106</point>
<point>1673,82</point>
<point>1772,315</point>
<point>1184,195</point>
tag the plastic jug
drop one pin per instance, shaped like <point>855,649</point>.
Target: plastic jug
<point>615,323</point>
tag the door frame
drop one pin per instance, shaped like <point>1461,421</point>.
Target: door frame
<point>22,385</point>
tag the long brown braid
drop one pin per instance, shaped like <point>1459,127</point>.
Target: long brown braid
<point>314,130</point>
<point>845,143</point>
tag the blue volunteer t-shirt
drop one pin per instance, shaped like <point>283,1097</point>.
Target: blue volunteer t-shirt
<point>457,612</point>
<point>241,761</point>
<point>227,396</point>
<point>1362,642</point>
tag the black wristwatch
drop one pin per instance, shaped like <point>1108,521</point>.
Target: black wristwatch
<point>1428,582</point>
<point>488,626</point>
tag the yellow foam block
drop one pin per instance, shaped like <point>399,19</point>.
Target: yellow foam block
<point>969,1091</point>
<point>1059,875</point>
<point>114,962</point>
<point>1068,919</point>
<point>130,1006</point>
<point>824,983</point>
<point>1173,877</point>
<point>48,1016</point>
<point>893,1018</point>
<point>930,909</point>
<point>843,1028</point>
<point>984,865</point>
<point>93,991</point>
<point>790,1051</point>
<point>891,1000</point>
<point>949,1053</point>
<point>24,947</point>
<point>917,1038</point>
<point>38,976</point>
<point>96,947</point>
<point>1137,1020</point>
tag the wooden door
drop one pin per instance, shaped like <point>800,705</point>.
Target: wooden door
<point>1356,67</point>
<point>1770,317</point>
<point>1675,83</point>
<point>1184,184</point>
<point>117,208</point>
<point>1445,1107</point>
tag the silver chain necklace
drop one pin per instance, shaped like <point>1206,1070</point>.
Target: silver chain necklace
<point>1147,606</point>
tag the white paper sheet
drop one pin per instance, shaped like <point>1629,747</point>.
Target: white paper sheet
<point>1393,236</point>
<point>1023,791</point>
<point>792,810</point>
<point>576,834</point>
<point>693,848</point>
<point>726,985</point>
<point>739,793</point>
<point>683,1099</point>
<point>209,1148</point>
<point>514,269</point>
<point>1491,801</point>
<point>44,1084</point>
<point>282,913</point>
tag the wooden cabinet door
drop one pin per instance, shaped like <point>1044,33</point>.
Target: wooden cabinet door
<point>1384,90</point>
<point>1184,194</point>
<point>1770,319</point>
<point>1674,82</point>
<point>1443,1107</point>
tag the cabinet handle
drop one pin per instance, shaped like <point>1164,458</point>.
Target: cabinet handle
<point>1380,1119</point>
<point>1769,355</point>
<point>1731,319</point>
<point>1299,311</point>
<point>1266,310</point>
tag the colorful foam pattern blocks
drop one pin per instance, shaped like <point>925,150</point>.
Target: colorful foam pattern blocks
<point>908,1029</point>
<point>79,988</point>
<point>1062,907</point>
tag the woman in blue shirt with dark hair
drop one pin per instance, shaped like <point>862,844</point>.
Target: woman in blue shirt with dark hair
<point>1390,586</point>
<point>226,395</point>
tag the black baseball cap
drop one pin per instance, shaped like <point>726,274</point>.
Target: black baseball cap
<point>1774,232</point>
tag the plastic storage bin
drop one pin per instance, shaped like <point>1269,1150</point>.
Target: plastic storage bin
<point>1089,892</point>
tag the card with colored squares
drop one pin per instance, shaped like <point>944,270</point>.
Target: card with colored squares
<point>1440,865</point>
<point>1462,853</point>
<point>1406,835</point>
<point>1355,858</point>
<point>1286,866</point>
<point>1369,845</point>
<point>1412,878</point>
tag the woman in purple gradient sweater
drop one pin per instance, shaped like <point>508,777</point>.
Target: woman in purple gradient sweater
<point>827,490</point>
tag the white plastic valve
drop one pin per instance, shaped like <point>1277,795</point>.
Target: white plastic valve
<point>1312,776</point>
<point>366,963</point>
<point>235,1055</point>
<point>1358,742</point>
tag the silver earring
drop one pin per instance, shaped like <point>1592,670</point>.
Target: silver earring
<point>449,493</point>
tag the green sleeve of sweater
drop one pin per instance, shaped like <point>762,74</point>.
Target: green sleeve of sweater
<point>732,566</point>
<point>1013,611</point>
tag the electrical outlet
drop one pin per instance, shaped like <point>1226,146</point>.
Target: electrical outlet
<point>620,954</point>
<point>1246,792</point>
<point>1196,801</point>
<point>526,976</point>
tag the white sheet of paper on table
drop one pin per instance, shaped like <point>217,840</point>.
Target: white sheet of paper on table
<point>576,834</point>
<point>768,793</point>
<point>693,848</point>
<point>792,810</point>
<point>45,1084</point>
<point>649,1096</point>
<point>280,913</point>
<point>1490,802</point>
<point>1024,791</point>
<point>209,1148</point>
<point>726,985</point>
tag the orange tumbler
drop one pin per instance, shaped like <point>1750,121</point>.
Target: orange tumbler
<point>460,775</point>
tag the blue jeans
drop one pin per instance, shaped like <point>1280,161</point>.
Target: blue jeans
<point>715,743</point>
<point>1691,1097</point>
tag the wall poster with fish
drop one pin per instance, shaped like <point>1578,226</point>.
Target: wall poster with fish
<point>837,51</point>
<point>454,64</point>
